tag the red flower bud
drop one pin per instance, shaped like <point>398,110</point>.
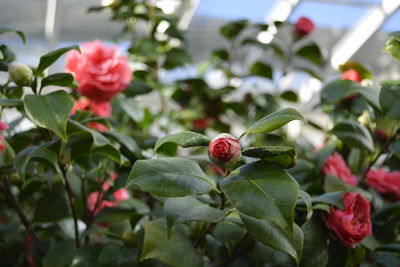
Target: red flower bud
<point>352,224</point>
<point>224,150</point>
<point>303,26</point>
<point>352,75</point>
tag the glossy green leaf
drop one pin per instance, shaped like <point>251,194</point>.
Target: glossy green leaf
<point>354,135</point>
<point>59,79</point>
<point>183,209</point>
<point>229,234</point>
<point>290,96</point>
<point>395,148</point>
<point>118,256</point>
<point>49,58</point>
<point>98,140</point>
<point>50,111</point>
<point>37,153</point>
<point>52,205</point>
<point>312,53</point>
<point>20,33</point>
<point>392,45</point>
<point>273,236</point>
<point>261,69</point>
<point>60,254</point>
<point>333,184</point>
<point>183,139</point>
<point>274,121</point>
<point>264,191</point>
<point>315,251</point>
<point>175,251</point>
<point>137,88</point>
<point>10,102</point>
<point>132,109</point>
<point>389,98</point>
<point>283,156</point>
<point>86,256</point>
<point>176,57</point>
<point>307,200</point>
<point>275,48</point>
<point>322,155</point>
<point>393,247</point>
<point>232,29</point>
<point>333,198</point>
<point>126,141</point>
<point>170,177</point>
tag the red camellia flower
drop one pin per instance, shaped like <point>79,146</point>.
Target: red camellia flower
<point>224,149</point>
<point>201,124</point>
<point>352,75</point>
<point>352,224</point>
<point>101,109</point>
<point>384,182</point>
<point>336,166</point>
<point>303,26</point>
<point>100,71</point>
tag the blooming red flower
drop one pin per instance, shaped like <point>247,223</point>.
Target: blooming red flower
<point>224,149</point>
<point>97,126</point>
<point>336,166</point>
<point>101,109</point>
<point>303,26</point>
<point>202,124</point>
<point>352,224</point>
<point>100,71</point>
<point>384,182</point>
<point>352,75</point>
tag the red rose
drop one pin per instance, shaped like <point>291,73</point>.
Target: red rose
<point>352,224</point>
<point>352,75</point>
<point>303,26</point>
<point>336,166</point>
<point>100,71</point>
<point>384,182</point>
<point>224,149</point>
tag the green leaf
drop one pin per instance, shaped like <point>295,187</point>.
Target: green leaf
<point>322,155</point>
<point>229,234</point>
<point>274,121</point>
<point>137,87</point>
<point>86,256</point>
<point>273,236</point>
<point>232,29</point>
<point>354,135</point>
<point>336,91</point>
<point>183,139</point>
<point>10,102</point>
<point>183,209</point>
<point>49,58</point>
<point>126,141</point>
<point>333,184</point>
<point>261,69</point>
<point>392,45</point>
<point>333,198</point>
<point>170,177</point>
<point>315,251</point>
<point>395,148</point>
<point>221,54</point>
<point>290,96</point>
<point>264,191</point>
<point>98,140</point>
<point>40,153</point>
<point>312,53</point>
<point>59,79</point>
<point>50,111</point>
<point>116,214</point>
<point>176,57</point>
<point>20,33</point>
<point>389,98</point>
<point>132,109</point>
<point>176,251</point>
<point>52,205</point>
<point>393,247</point>
<point>307,200</point>
<point>283,156</point>
<point>118,256</point>
<point>60,254</point>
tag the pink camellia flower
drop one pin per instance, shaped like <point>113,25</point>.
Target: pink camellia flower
<point>336,166</point>
<point>2,145</point>
<point>3,126</point>
<point>100,71</point>
<point>101,109</point>
<point>121,194</point>
<point>303,26</point>
<point>352,75</point>
<point>97,126</point>
<point>224,149</point>
<point>352,224</point>
<point>384,182</point>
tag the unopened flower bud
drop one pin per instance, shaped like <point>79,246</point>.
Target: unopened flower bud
<point>129,238</point>
<point>20,74</point>
<point>224,150</point>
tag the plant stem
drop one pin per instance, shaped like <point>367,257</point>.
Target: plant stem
<point>385,146</point>
<point>71,201</point>
<point>15,206</point>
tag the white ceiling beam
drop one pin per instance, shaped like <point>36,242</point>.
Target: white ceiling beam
<point>190,8</point>
<point>280,12</point>
<point>356,37</point>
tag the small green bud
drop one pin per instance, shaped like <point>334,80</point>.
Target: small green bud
<point>20,74</point>
<point>14,178</point>
<point>129,238</point>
